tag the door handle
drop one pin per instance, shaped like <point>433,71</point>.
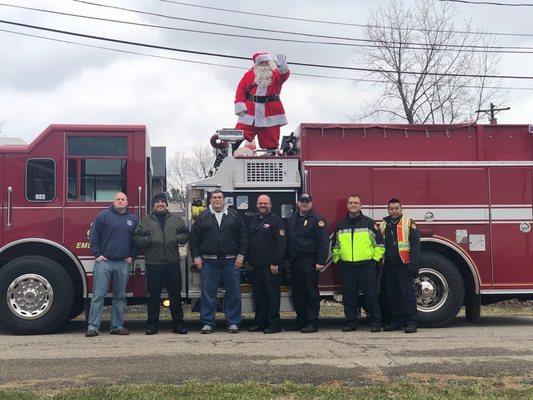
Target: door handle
<point>139,192</point>
<point>9,202</point>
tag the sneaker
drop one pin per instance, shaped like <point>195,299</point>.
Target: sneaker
<point>207,329</point>
<point>150,331</point>
<point>233,328</point>
<point>91,333</point>
<point>375,328</point>
<point>410,329</point>
<point>309,329</point>
<point>391,327</point>
<point>180,330</point>
<point>349,328</point>
<point>121,331</point>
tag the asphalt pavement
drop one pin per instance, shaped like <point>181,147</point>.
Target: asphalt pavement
<point>498,348</point>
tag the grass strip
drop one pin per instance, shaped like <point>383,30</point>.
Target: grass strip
<point>285,391</point>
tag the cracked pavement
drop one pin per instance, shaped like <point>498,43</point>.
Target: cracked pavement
<point>498,348</point>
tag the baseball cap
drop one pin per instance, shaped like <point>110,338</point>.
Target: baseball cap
<point>305,198</point>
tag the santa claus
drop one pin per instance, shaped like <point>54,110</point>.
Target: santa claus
<point>257,102</point>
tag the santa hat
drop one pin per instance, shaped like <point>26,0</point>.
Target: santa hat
<point>261,57</point>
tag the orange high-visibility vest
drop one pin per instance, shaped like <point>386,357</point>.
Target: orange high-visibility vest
<point>402,234</point>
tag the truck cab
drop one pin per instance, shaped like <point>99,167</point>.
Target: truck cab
<point>51,190</point>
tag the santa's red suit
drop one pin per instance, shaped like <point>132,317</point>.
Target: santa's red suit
<point>259,107</point>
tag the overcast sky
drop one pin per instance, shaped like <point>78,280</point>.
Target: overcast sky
<point>44,82</point>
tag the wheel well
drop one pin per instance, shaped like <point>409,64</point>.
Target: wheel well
<point>52,252</point>
<point>469,277</point>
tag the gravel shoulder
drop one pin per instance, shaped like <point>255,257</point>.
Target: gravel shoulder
<point>499,348</point>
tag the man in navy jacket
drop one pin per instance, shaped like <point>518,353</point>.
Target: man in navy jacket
<point>111,240</point>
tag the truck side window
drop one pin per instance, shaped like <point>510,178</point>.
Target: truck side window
<point>96,167</point>
<point>72,179</point>
<point>97,146</point>
<point>40,180</point>
<point>101,179</point>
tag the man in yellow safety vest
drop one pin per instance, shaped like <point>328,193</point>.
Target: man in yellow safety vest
<point>357,247</point>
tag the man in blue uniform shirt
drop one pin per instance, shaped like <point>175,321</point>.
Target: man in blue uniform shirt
<point>111,240</point>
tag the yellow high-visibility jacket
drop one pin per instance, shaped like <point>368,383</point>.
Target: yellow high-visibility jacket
<point>357,240</point>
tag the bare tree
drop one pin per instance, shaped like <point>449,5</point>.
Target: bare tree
<point>429,72</point>
<point>189,167</point>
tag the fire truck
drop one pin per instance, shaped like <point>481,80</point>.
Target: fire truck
<point>468,187</point>
<point>51,190</point>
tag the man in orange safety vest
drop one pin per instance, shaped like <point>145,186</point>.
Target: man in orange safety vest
<point>402,251</point>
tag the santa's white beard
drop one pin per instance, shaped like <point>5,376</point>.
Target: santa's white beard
<point>263,75</point>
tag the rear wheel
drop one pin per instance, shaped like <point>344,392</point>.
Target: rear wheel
<point>36,295</point>
<point>440,290</point>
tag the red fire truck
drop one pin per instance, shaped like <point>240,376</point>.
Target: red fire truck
<point>50,192</point>
<point>468,187</point>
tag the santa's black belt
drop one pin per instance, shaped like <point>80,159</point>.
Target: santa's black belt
<point>262,99</point>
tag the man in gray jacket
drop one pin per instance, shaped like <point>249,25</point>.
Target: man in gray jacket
<point>159,234</point>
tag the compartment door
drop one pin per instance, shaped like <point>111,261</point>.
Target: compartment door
<point>511,217</point>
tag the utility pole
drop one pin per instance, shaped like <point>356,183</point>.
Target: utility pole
<point>493,110</point>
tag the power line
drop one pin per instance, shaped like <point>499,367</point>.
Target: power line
<point>183,59</point>
<point>260,29</point>
<point>321,21</point>
<point>211,54</point>
<point>485,49</point>
<point>486,3</point>
<point>227,65</point>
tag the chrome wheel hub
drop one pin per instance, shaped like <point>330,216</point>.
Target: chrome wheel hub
<point>432,290</point>
<point>30,296</point>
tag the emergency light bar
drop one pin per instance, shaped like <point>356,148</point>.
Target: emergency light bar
<point>230,135</point>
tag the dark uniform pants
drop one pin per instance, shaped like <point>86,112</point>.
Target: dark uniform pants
<point>360,276</point>
<point>169,276</point>
<point>305,295</point>
<point>400,295</point>
<point>266,291</point>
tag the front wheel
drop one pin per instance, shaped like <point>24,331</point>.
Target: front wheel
<point>440,290</point>
<point>36,295</point>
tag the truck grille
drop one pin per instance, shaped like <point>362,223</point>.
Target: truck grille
<point>263,171</point>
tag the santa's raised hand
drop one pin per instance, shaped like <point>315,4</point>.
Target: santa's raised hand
<point>281,60</point>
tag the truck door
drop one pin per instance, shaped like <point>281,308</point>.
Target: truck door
<point>511,216</point>
<point>99,165</point>
<point>32,197</point>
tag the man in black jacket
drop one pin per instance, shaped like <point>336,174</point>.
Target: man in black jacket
<point>308,248</point>
<point>159,233</point>
<point>402,252</point>
<point>218,244</point>
<point>265,254</point>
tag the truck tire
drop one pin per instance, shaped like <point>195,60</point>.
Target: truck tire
<point>77,308</point>
<point>473,308</point>
<point>440,290</point>
<point>36,295</point>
